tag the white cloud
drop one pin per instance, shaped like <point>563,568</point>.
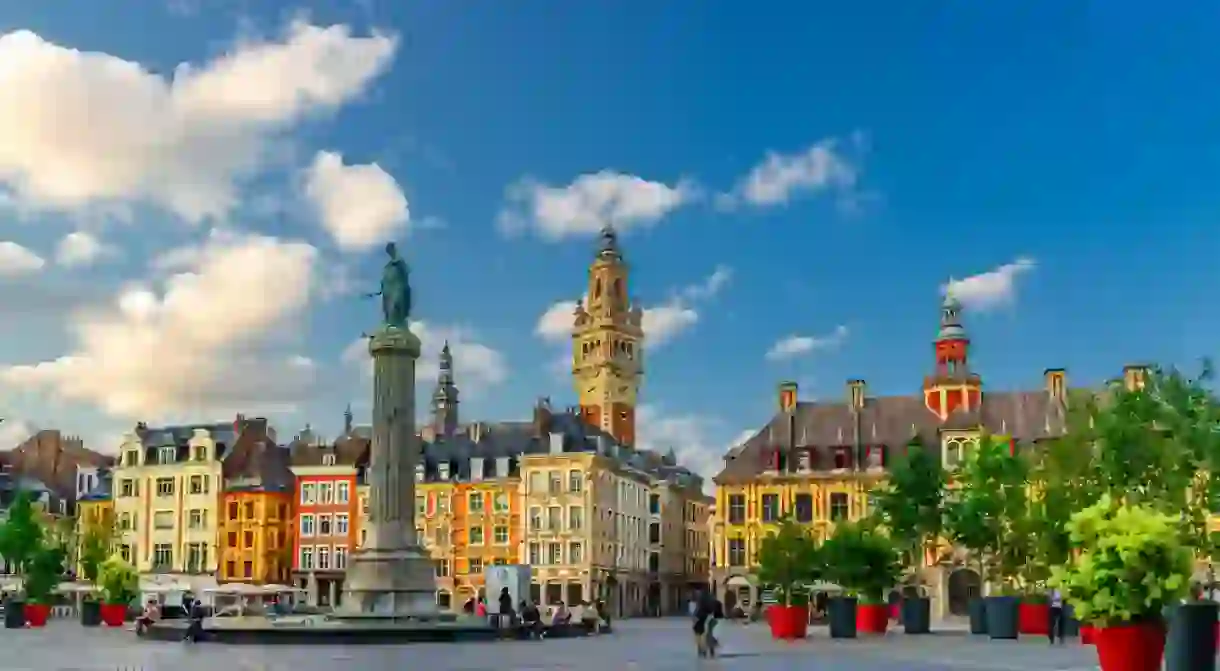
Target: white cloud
<point>213,338</point>
<point>821,167</point>
<point>14,431</point>
<point>81,129</point>
<point>794,346</point>
<point>698,441</point>
<point>361,206</point>
<point>476,365</point>
<point>991,289</point>
<point>16,260</point>
<point>661,323</point>
<point>590,202</point>
<point>81,248</point>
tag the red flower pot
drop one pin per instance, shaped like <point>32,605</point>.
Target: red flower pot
<point>36,614</point>
<point>872,618</point>
<point>113,614</point>
<point>1034,618</point>
<point>788,622</point>
<point>1132,647</point>
<point>1087,633</point>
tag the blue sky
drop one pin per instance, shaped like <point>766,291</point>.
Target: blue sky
<point>1072,147</point>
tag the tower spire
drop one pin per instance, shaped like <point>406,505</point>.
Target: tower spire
<point>445,398</point>
<point>347,420</point>
<point>952,343</point>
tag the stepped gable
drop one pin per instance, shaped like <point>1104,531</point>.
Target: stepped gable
<point>52,458</point>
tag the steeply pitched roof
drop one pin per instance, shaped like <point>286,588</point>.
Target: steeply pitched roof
<point>890,421</point>
<point>52,458</point>
<point>256,463</point>
<point>350,450</point>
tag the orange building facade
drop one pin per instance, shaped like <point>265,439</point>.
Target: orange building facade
<point>327,514</point>
<point>256,536</point>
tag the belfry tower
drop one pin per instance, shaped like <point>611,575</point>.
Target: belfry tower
<point>952,386</point>
<point>445,397</point>
<point>608,345</point>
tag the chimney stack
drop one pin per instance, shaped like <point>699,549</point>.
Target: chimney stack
<point>1056,383</point>
<point>787,396</point>
<point>1134,376</point>
<point>855,394</point>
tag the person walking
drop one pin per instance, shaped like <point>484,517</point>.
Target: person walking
<point>708,611</point>
<point>1058,622</point>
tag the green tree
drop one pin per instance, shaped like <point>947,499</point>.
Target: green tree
<point>96,544</point>
<point>22,534</point>
<point>788,561</point>
<point>1063,480</point>
<point>44,571</point>
<point>860,558</point>
<point>988,512</point>
<point>911,505</point>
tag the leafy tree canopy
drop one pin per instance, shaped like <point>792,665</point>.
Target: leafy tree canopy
<point>789,559</point>
<point>911,503</point>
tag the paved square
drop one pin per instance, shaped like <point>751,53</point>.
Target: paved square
<point>637,644</point>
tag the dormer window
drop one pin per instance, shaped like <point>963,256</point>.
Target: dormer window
<point>131,458</point>
<point>199,453</point>
<point>842,458</point>
<point>167,454</point>
<point>804,462</point>
<point>876,456</point>
<point>328,460</point>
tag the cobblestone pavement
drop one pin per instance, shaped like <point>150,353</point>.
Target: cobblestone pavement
<point>637,644</point>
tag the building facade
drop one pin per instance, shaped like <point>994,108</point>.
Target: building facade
<point>329,504</point>
<point>819,461</point>
<point>167,489</point>
<point>257,523</point>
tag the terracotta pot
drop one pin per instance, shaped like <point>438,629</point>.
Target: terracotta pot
<point>1131,647</point>
<point>872,618</point>
<point>788,622</point>
<point>113,614</point>
<point>36,614</point>
<point>1034,618</point>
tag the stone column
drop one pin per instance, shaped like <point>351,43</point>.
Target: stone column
<point>391,576</point>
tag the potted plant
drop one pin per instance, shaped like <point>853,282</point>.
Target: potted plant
<point>120,586</point>
<point>1132,564</point>
<point>95,546</point>
<point>788,561</point>
<point>911,508</point>
<point>865,564</point>
<point>21,537</point>
<point>43,572</point>
<point>990,504</point>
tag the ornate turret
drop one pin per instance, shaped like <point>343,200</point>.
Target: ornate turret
<point>607,344</point>
<point>445,398</point>
<point>347,420</point>
<point>952,386</point>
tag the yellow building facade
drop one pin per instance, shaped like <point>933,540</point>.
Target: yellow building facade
<point>167,488</point>
<point>256,537</point>
<point>820,461</point>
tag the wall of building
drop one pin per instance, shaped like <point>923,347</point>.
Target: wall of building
<point>161,529</point>
<point>337,513</point>
<point>256,537</point>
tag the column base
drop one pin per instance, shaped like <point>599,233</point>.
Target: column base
<point>389,583</point>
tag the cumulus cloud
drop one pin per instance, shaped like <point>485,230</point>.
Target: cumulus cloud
<point>361,206</point>
<point>81,129</point>
<point>81,248</point>
<point>212,338</point>
<point>476,365</point>
<point>590,202</point>
<point>991,289</point>
<point>822,167</point>
<point>698,441</point>
<point>795,346</point>
<point>16,261</point>
<point>14,431</point>
<point>661,324</point>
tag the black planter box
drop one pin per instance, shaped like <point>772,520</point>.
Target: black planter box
<point>1191,641</point>
<point>90,613</point>
<point>1003,621</point>
<point>842,614</point>
<point>977,607</point>
<point>1071,625</point>
<point>916,615</point>
<point>14,615</point>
